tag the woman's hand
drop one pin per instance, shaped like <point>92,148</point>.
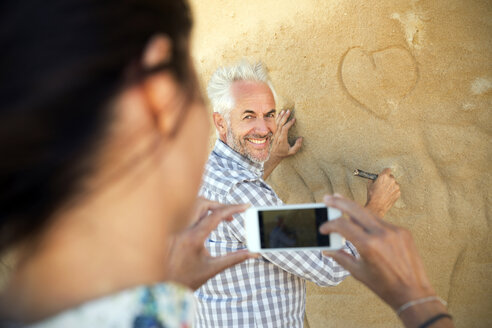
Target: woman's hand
<point>389,263</point>
<point>189,263</point>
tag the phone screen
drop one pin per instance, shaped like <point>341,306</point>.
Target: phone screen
<point>292,228</point>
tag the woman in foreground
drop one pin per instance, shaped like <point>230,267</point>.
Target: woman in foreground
<point>103,139</point>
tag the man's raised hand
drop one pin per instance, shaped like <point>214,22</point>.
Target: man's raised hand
<point>280,143</point>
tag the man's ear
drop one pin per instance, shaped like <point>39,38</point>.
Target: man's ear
<point>161,91</point>
<point>220,125</point>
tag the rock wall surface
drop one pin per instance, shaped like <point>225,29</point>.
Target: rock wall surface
<point>374,84</point>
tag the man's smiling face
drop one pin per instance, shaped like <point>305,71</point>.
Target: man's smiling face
<point>251,124</point>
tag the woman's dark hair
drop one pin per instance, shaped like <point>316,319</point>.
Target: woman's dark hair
<point>61,62</point>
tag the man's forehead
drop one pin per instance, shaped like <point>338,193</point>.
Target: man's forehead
<point>241,89</point>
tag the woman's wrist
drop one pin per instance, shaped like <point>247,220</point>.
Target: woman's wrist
<point>417,314</point>
<point>408,295</point>
<point>420,301</point>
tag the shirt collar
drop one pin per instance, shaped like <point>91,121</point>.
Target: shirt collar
<point>224,151</point>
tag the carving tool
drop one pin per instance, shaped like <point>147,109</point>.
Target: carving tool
<point>367,175</point>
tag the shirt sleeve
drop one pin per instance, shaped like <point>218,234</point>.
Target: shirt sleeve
<point>310,265</point>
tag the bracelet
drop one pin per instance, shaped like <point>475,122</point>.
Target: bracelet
<point>420,301</point>
<point>435,318</point>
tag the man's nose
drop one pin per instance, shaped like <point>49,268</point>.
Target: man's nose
<point>262,127</point>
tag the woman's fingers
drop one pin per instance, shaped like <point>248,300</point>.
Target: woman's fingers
<point>346,228</point>
<point>357,213</point>
<point>347,261</point>
<point>201,208</point>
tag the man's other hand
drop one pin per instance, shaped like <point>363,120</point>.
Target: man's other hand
<point>382,193</point>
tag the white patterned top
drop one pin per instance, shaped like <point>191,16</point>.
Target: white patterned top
<point>159,306</point>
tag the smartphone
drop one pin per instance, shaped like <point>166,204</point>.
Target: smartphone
<point>290,227</point>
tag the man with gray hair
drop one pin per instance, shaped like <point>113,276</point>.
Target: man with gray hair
<point>253,80</point>
<point>268,291</point>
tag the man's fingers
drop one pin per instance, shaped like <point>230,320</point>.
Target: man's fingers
<point>282,118</point>
<point>208,224</point>
<point>385,171</point>
<point>295,148</point>
<point>289,124</point>
<point>283,128</point>
<point>279,117</point>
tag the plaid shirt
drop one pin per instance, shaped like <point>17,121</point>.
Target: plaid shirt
<point>266,292</point>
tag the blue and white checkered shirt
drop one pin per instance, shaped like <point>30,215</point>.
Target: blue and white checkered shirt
<point>269,291</point>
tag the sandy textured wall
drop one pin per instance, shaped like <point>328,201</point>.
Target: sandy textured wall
<point>400,84</point>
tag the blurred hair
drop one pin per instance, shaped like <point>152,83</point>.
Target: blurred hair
<point>219,88</point>
<point>62,62</point>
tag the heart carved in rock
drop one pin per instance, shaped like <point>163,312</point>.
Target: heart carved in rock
<point>378,80</point>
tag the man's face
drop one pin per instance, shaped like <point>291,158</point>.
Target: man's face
<point>251,123</point>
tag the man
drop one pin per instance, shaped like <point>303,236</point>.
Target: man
<point>281,236</point>
<point>268,291</point>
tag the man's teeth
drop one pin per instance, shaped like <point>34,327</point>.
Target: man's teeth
<point>258,141</point>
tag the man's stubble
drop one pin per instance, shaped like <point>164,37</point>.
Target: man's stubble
<point>239,145</point>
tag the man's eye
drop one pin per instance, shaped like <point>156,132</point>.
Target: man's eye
<point>248,117</point>
<point>271,115</point>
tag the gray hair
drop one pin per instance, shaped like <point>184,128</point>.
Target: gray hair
<point>219,88</point>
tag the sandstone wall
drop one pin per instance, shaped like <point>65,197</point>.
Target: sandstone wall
<point>374,84</point>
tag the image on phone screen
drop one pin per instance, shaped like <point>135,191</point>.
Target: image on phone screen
<point>292,228</point>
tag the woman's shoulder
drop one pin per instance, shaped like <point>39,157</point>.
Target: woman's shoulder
<point>161,305</point>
